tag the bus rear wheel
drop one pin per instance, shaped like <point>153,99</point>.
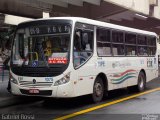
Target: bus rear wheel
<point>98,90</point>
<point>141,85</point>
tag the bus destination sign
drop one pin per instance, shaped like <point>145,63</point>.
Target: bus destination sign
<point>52,29</point>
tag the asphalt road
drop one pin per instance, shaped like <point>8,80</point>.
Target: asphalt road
<point>49,109</point>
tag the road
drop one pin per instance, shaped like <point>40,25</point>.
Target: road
<point>49,108</point>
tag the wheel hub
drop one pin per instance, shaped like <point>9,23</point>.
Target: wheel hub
<point>98,89</point>
<point>141,85</point>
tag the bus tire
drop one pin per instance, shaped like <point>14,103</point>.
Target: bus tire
<point>141,85</point>
<point>98,90</point>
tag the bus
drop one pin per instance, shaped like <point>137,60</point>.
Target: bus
<point>65,57</point>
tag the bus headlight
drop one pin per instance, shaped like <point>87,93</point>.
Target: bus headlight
<point>13,80</point>
<point>64,80</point>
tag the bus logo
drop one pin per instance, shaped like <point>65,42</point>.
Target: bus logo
<point>34,81</point>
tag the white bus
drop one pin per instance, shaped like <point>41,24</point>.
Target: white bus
<point>67,57</point>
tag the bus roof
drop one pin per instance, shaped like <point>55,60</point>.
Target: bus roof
<point>98,23</point>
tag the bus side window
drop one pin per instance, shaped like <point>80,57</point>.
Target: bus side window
<point>83,46</point>
<point>103,42</point>
<point>151,45</point>
<point>142,45</point>
<point>118,43</point>
<point>130,44</point>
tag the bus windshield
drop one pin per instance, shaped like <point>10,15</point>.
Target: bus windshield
<point>41,46</point>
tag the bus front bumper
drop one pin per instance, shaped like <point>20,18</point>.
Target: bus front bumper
<point>61,91</point>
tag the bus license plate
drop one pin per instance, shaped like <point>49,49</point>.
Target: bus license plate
<point>35,91</point>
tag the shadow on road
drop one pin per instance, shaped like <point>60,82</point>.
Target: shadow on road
<point>83,101</point>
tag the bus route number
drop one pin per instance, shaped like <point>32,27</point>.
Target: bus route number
<point>49,79</point>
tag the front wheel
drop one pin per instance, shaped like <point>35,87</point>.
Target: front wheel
<point>98,90</point>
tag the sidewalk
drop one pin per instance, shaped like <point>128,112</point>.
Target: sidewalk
<point>5,96</point>
<point>7,99</point>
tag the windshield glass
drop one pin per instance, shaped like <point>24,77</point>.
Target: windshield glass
<point>41,46</point>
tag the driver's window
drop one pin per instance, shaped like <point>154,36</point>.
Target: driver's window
<point>83,43</point>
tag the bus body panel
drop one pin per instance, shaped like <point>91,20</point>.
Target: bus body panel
<point>120,71</point>
<point>85,81</point>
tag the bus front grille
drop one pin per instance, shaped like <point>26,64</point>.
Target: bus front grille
<point>35,85</point>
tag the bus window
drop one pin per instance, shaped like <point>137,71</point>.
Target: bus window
<point>45,49</point>
<point>151,40</point>
<point>83,46</point>
<point>142,51</point>
<point>117,36</point>
<point>141,40</point>
<point>142,45</point>
<point>152,45</point>
<point>118,43</point>
<point>130,38</point>
<point>103,42</point>
<point>103,35</point>
<point>151,51</point>
<point>131,50</point>
<point>118,49</point>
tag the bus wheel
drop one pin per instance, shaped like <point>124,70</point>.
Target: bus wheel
<point>141,82</point>
<point>98,90</point>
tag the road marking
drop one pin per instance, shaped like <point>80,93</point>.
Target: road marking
<point>105,105</point>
